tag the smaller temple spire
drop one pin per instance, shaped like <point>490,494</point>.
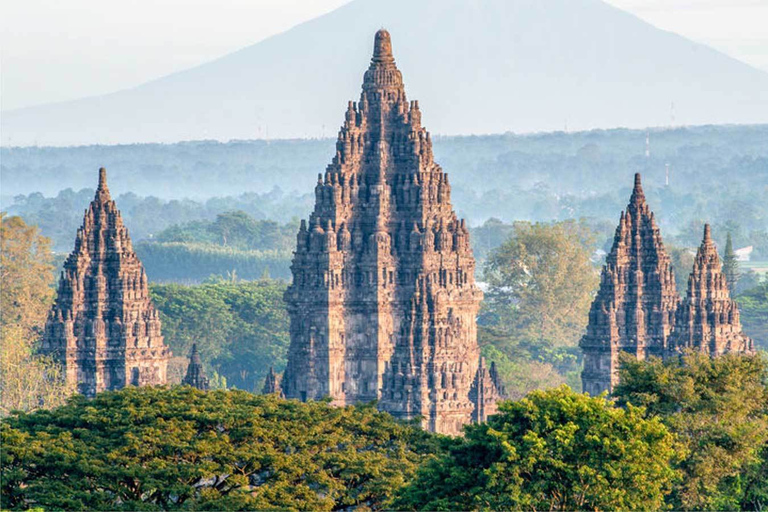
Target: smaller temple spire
<point>486,391</point>
<point>634,307</point>
<point>272,383</point>
<point>88,331</point>
<point>195,376</point>
<point>708,318</point>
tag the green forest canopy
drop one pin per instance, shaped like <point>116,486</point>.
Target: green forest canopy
<point>688,434</point>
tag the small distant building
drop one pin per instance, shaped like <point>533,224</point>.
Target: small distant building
<point>272,383</point>
<point>744,254</point>
<point>195,376</point>
<point>487,390</point>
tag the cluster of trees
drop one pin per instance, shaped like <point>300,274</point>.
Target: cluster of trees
<point>194,262</point>
<point>541,282</point>
<point>183,449</point>
<point>234,243</point>
<point>146,217</point>
<point>28,381</point>
<point>717,408</point>
<point>236,229</point>
<point>684,434</point>
<point>753,305</point>
<point>240,328</point>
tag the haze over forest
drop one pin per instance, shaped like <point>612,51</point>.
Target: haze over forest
<point>476,67</point>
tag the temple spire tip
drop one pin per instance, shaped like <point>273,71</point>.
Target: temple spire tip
<point>638,196</point>
<point>707,233</point>
<point>382,46</point>
<point>102,179</point>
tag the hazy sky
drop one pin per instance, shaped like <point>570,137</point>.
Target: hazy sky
<point>54,50</point>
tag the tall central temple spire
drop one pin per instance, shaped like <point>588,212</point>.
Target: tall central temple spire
<point>383,302</point>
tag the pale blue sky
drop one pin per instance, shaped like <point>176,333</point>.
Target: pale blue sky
<point>53,50</point>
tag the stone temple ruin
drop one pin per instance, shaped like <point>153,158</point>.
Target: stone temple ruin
<point>638,310</point>
<point>383,302</point>
<point>103,328</point>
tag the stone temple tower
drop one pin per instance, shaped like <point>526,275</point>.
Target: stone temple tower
<point>103,327</point>
<point>634,310</point>
<point>195,376</point>
<point>383,302</point>
<point>708,319</point>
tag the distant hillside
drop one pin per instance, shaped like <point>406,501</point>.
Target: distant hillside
<point>476,66</point>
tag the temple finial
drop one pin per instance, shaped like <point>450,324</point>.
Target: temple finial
<point>194,356</point>
<point>707,234</point>
<point>382,47</point>
<point>638,196</point>
<point>102,181</point>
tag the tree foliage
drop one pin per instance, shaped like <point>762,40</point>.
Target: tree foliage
<point>26,275</point>
<point>193,262</point>
<point>540,285</point>
<point>179,448</point>
<point>553,450</point>
<point>731,266</point>
<point>753,305</point>
<point>718,409</point>
<point>28,381</point>
<point>541,282</point>
<point>241,328</point>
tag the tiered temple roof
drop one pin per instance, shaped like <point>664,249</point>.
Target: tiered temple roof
<point>708,319</point>
<point>635,305</point>
<point>103,327</point>
<point>272,383</point>
<point>383,302</point>
<point>486,391</point>
<point>195,376</point>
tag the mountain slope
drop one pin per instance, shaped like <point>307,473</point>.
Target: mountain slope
<point>477,66</point>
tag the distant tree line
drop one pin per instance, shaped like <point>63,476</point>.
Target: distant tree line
<point>718,174</point>
<point>147,217</point>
